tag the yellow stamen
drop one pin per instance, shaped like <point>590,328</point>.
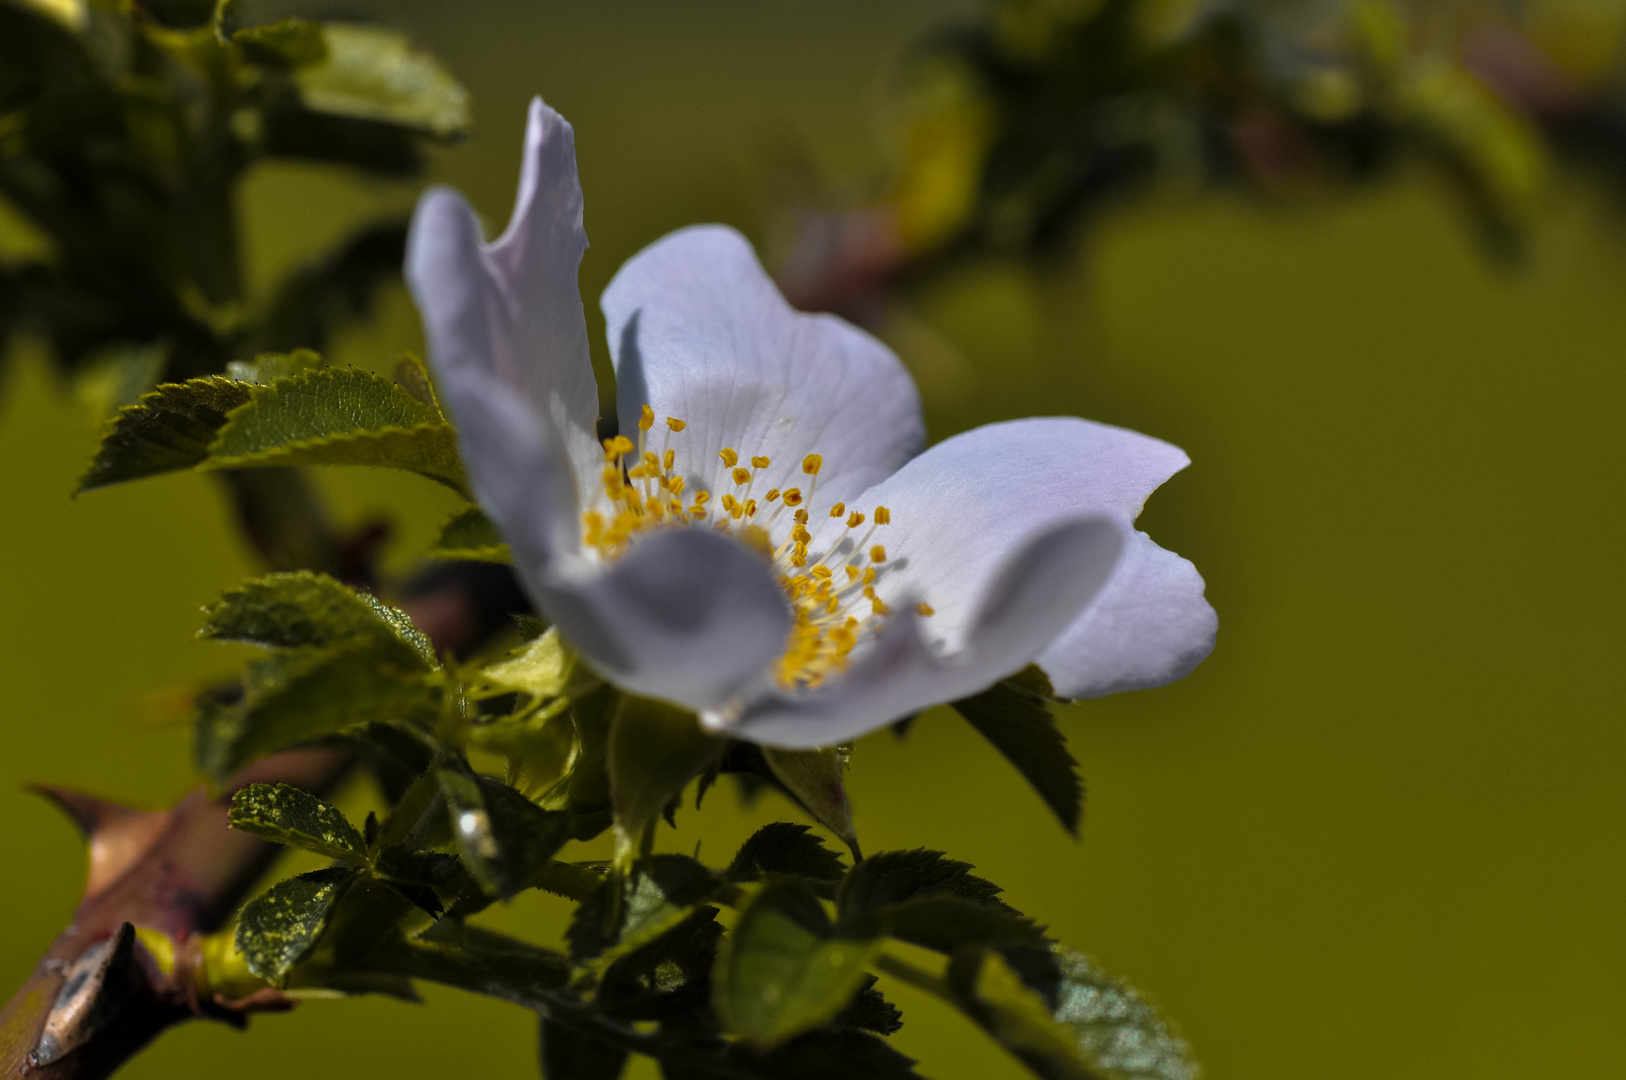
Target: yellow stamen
<point>878,553</point>
<point>742,476</point>
<point>924,608</point>
<point>811,464</point>
<point>854,520</point>
<point>883,516</point>
<point>838,509</point>
<point>730,456</point>
<point>760,462</point>
<point>674,424</point>
<point>646,419</point>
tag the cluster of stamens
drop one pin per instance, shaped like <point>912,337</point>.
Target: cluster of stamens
<point>644,491</point>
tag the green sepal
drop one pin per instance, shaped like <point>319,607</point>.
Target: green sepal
<point>784,969</point>
<point>654,750</point>
<point>503,837</point>
<point>170,428</point>
<point>814,779</point>
<point>339,416</point>
<point>287,815</point>
<point>633,909</point>
<point>304,609</point>
<point>281,926</point>
<point>569,1054</point>
<point>787,849</point>
<point>1015,716</point>
<point>1087,1027</point>
<point>470,536</point>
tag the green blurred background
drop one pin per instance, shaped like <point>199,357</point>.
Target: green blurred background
<point>1379,832</point>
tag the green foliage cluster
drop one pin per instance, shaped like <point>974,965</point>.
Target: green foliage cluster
<point>125,129</point>
<point>767,967</point>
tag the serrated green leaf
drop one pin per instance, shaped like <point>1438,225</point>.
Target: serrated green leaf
<point>168,429</point>
<point>945,923</point>
<point>654,750</point>
<point>814,778</point>
<point>372,73</point>
<point>569,1054</point>
<point>269,367</point>
<point>891,877</point>
<point>296,696</point>
<point>304,609</point>
<point>1015,716</point>
<point>870,1011</point>
<point>280,926</point>
<point>787,848</point>
<point>783,971</point>
<point>472,537</point>
<point>1092,1028</point>
<point>670,976</point>
<point>288,815</point>
<point>339,416</point>
<point>503,836</point>
<point>655,896</point>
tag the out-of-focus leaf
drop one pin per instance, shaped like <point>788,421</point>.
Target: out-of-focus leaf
<point>504,837</point>
<point>471,536</point>
<point>280,926</point>
<point>477,960</point>
<point>303,609</point>
<point>339,416</point>
<point>372,73</point>
<point>116,376</point>
<point>170,428</point>
<point>341,287</point>
<point>540,668</point>
<point>1014,715</point>
<point>783,970</point>
<point>894,876</point>
<point>290,41</point>
<point>297,696</point>
<point>656,895</point>
<point>654,750</point>
<point>569,1054</point>
<point>814,778</point>
<point>268,367</point>
<point>288,815</point>
<point>1093,1028</point>
<point>786,848</point>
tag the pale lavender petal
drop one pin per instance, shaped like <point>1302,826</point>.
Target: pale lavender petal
<point>700,332</point>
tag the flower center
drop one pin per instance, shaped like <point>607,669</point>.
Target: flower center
<point>831,593</point>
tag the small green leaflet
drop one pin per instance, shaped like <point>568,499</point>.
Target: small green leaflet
<point>894,876</point>
<point>470,536</point>
<point>504,837</point>
<point>170,428</point>
<point>658,894</point>
<point>302,609</point>
<point>783,970</point>
<point>1098,1028</point>
<point>279,927</point>
<point>667,977</point>
<point>787,849</point>
<point>339,416</point>
<point>1015,716</point>
<point>288,815</point>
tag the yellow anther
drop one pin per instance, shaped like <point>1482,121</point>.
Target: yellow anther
<point>593,524</point>
<point>869,575</point>
<point>652,462</point>
<point>702,497</point>
<point>798,557</point>
<point>880,608</point>
<point>612,478</point>
<point>730,456</point>
<point>675,424</point>
<point>646,419</point>
<point>772,496</point>
<point>697,511</point>
<point>821,571</point>
<point>755,537</point>
<point>793,496</point>
<point>760,462</point>
<point>838,509</point>
<point>877,553</point>
<point>924,608</point>
<point>801,517</point>
<point>742,476</point>
<point>854,520</point>
<point>669,460</point>
<point>750,507</point>
<point>833,606</point>
<point>737,511</point>
<point>800,534</point>
<point>677,485</point>
<point>614,448</point>
<point>811,464</point>
<point>883,516</point>
<point>852,572</point>
<point>729,502</point>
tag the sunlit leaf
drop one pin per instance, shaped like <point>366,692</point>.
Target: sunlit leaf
<point>280,926</point>
<point>783,970</point>
<point>268,367</point>
<point>288,815</point>
<point>1092,1027</point>
<point>168,429</point>
<point>339,416</point>
<point>373,73</point>
<point>301,609</point>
